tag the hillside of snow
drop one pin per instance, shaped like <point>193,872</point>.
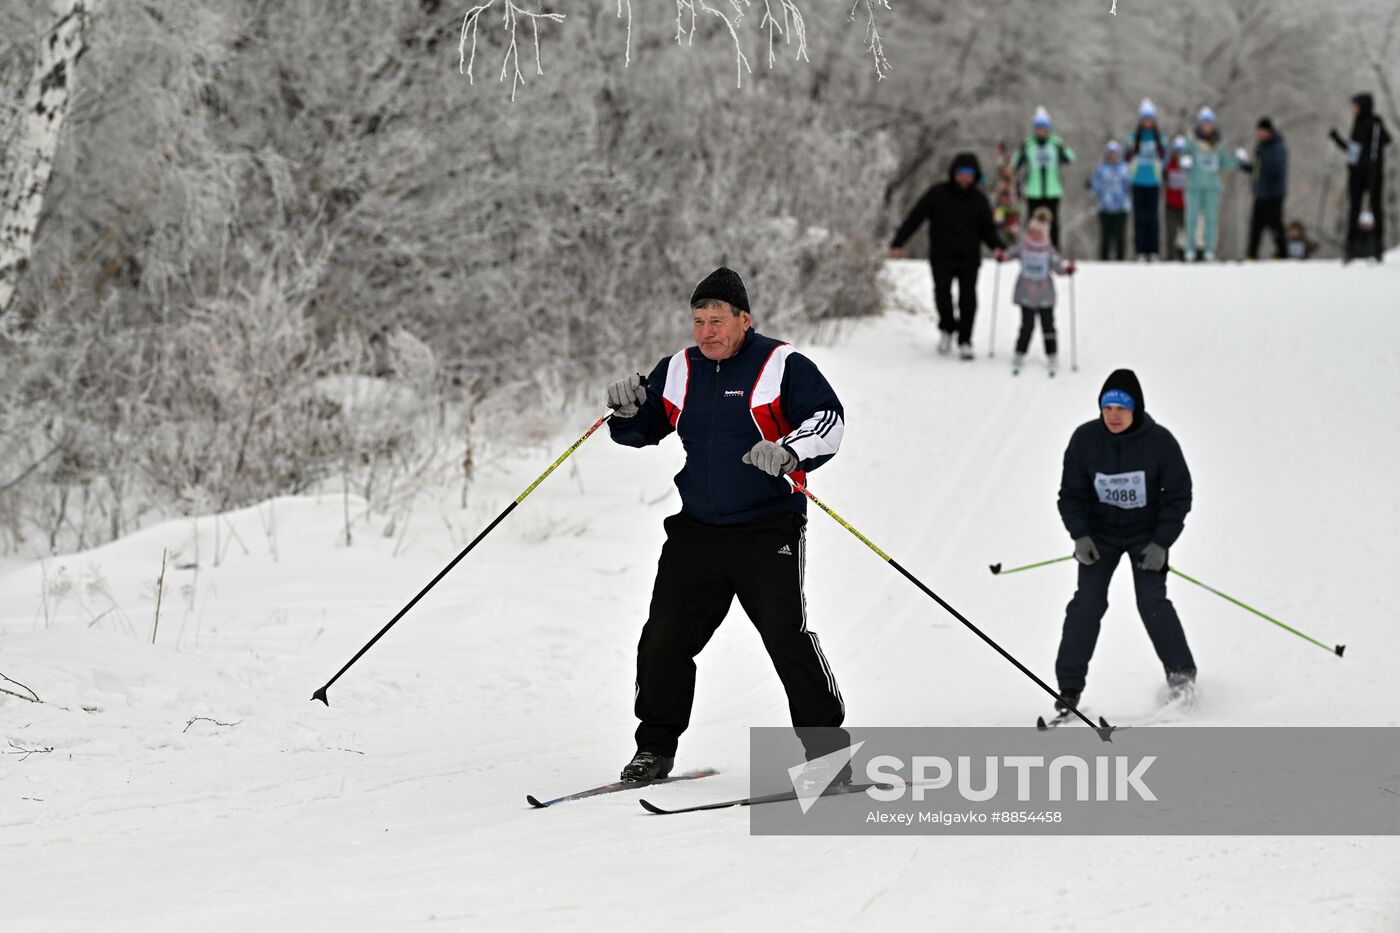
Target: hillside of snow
<point>190,784</point>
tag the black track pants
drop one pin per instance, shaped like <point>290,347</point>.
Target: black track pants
<point>702,568</point>
<point>1090,602</point>
<point>944,275</point>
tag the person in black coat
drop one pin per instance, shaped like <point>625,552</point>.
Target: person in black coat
<point>1269,173</point>
<point>1365,176</point>
<point>1125,489</point>
<point>959,218</point>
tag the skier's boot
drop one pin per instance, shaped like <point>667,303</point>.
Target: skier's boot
<point>1017,362</point>
<point>646,766</point>
<point>1181,687</point>
<point>818,775</point>
<point>1071,697</point>
<point>945,343</point>
<point>1053,362</point>
<point>965,351</point>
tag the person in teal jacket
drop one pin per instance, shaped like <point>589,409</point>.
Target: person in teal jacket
<point>1041,155</point>
<point>1206,160</point>
<point>1146,153</point>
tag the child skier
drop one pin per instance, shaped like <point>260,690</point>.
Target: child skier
<point>1035,289</point>
<point>1176,201</point>
<point>1110,185</point>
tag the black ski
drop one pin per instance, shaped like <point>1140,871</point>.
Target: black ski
<point>616,786</point>
<point>832,791</point>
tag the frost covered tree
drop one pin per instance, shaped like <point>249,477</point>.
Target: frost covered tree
<point>25,171</point>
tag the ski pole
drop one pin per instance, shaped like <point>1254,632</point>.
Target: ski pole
<point>1104,731</point>
<point>1335,649</point>
<point>321,693</point>
<point>996,286</point>
<point>996,568</point>
<point>1073,332</point>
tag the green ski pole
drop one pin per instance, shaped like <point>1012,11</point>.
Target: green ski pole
<point>996,568</point>
<point>1335,649</point>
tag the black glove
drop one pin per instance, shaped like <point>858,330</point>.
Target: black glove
<point>1336,137</point>
<point>1154,558</point>
<point>627,396</point>
<point>1085,551</point>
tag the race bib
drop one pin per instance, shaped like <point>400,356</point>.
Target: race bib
<point>1210,161</point>
<point>1176,179</point>
<point>1297,249</point>
<point>1353,152</point>
<point>1122,490</point>
<point>1043,156</point>
<point>1035,265</point>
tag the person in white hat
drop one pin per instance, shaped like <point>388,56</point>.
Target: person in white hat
<point>1146,153</point>
<point>1110,185</point>
<point>1207,160</point>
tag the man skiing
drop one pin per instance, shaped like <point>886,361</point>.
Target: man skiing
<point>749,411</point>
<point>1125,489</point>
<point>959,220</point>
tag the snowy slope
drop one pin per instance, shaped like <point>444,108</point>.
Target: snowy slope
<point>401,806</point>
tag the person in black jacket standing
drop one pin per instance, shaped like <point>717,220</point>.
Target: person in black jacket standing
<point>1269,171</point>
<point>959,218</point>
<point>1125,490</point>
<point>1365,175</point>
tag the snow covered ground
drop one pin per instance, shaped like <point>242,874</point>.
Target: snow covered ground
<point>402,805</point>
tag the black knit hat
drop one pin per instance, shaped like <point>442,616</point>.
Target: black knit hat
<point>1125,380</point>
<point>1265,124</point>
<point>725,285</point>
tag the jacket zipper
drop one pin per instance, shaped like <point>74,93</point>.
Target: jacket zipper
<point>710,452</point>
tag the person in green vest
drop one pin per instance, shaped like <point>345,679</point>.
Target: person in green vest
<point>1041,156</point>
<point>1206,159</point>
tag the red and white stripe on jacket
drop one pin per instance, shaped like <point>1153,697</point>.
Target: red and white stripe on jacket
<point>818,436</point>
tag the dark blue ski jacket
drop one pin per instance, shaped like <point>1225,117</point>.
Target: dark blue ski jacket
<point>765,391</point>
<point>1128,488</point>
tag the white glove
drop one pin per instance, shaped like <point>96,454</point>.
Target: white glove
<point>773,459</point>
<point>627,396</point>
<point>1241,154</point>
<point>1186,161</point>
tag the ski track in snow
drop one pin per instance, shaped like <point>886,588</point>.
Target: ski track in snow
<point>401,806</point>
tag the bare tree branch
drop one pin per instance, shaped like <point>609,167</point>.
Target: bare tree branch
<point>24,753</point>
<point>196,719</point>
<point>32,698</point>
<point>510,21</point>
<point>873,45</point>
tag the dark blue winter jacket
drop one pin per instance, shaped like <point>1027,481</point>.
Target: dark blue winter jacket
<point>720,410</point>
<point>1127,488</point>
<point>1271,169</point>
